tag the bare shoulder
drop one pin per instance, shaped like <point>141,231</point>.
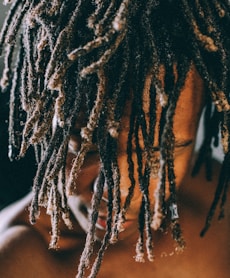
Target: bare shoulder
<point>12,214</point>
<point>17,214</point>
<point>26,246</point>
<point>23,253</point>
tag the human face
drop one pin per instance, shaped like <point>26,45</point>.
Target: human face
<point>186,121</point>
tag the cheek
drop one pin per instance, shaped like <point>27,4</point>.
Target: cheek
<point>125,182</point>
<point>182,164</point>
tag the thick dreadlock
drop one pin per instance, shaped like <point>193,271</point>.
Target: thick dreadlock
<point>96,52</point>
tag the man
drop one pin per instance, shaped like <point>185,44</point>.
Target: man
<point>113,93</point>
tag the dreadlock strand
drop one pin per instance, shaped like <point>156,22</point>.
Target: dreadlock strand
<point>96,43</point>
<point>87,132</point>
<point>7,23</point>
<point>116,104</point>
<point>149,237</point>
<point>34,210</point>
<point>117,196</point>
<point>41,128</point>
<point>119,25</point>
<point>205,40</point>
<point>144,182</point>
<point>54,73</point>
<point>105,144</point>
<point>95,17</point>
<point>104,58</point>
<point>140,242</point>
<point>219,97</point>
<point>29,55</point>
<point>14,28</point>
<point>98,192</point>
<point>64,203</point>
<point>106,240</point>
<point>42,45</point>
<point>130,170</point>
<point>159,194</point>
<point>120,20</point>
<point>15,102</point>
<point>55,212</point>
<point>96,266</point>
<point>7,73</point>
<point>59,159</point>
<point>28,128</point>
<point>176,231</point>
<point>88,249</point>
<point>106,169</point>
<point>218,41</point>
<point>34,19</point>
<point>106,20</point>
<point>58,108</point>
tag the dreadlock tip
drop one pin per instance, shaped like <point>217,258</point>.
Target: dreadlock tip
<point>116,26</point>
<point>139,258</point>
<point>179,249</point>
<point>54,245</point>
<point>4,83</point>
<point>156,221</point>
<point>71,56</point>
<point>113,132</point>
<point>54,82</point>
<point>151,258</point>
<point>113,240</point>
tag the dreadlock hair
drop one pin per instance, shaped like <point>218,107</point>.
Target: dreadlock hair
<point>94,53</point>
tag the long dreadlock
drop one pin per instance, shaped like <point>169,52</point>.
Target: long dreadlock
<point>75,52</point>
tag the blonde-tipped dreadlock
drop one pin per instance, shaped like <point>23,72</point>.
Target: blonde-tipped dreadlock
<point>96,52</point>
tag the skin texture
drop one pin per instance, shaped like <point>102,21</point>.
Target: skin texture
<point>24,248</point>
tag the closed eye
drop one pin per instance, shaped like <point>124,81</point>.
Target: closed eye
<point>183,143</point>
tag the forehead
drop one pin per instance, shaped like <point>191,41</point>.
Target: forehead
<point>188,107</point>
<point>189,104</point>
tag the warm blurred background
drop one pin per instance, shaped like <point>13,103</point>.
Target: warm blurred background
<point>3,10</point>
<point>15,177</point>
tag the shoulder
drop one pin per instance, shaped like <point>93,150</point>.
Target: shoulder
<point>26,246</point>
<point>12,214</point>
<point>17,215</point>
<point>23,253</point>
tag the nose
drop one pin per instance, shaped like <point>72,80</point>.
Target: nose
<point>124,185</point>
<point>89,172</point>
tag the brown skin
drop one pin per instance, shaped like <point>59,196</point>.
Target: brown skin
<point>24,248</point>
